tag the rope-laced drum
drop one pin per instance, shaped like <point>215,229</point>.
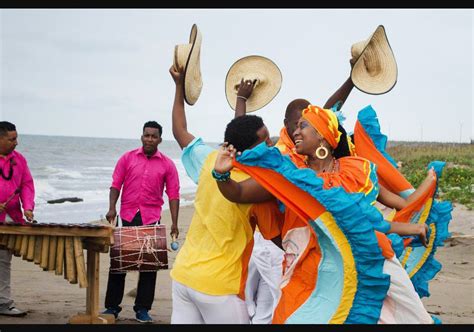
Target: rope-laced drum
<point>139,248</point>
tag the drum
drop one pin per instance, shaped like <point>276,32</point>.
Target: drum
<point>139,248</point>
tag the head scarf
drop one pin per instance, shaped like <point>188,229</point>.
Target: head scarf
<point>325,122</point>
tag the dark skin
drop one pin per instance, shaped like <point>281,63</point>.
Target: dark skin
<point>8,143</point>
<point>339,96</point>
<point>180,126</point>
<point>150,138</point>
<point>180,130</point>
<point>308,139</point>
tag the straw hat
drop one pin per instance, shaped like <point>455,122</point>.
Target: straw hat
<point>253,67</point>
<point>187,56</point>
<point>375,69</point>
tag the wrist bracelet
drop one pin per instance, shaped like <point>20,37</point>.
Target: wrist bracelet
<point>242,97</point>
<point>221,177</point>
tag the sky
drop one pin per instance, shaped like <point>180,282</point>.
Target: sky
<point>105,72</point>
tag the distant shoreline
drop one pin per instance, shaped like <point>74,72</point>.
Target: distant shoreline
<point>389,143</point>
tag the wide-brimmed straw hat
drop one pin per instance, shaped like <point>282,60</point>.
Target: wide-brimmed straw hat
<point>187,56</point>
<point>254,67</point>
<point>375,69</point>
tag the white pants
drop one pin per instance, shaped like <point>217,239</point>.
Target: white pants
<point>5,274</point>
<point>262,290</point>
<point>193,307</point>
<point>402,304</point>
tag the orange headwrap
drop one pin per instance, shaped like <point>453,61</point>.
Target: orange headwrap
<point>325,122</point>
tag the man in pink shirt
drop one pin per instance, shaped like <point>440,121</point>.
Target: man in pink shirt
<point>17,191</point>
<point>142,175</point>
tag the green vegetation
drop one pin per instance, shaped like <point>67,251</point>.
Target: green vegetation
<point>456,180</point>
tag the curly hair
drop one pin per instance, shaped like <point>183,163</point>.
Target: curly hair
<point>153,124</point>
<point>241,132</point>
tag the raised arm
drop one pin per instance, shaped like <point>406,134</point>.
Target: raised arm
<point>244,92</point>
<point>180,127</point>
<point>339,97</point>
<point>387,198</point>
<point>248,191</point>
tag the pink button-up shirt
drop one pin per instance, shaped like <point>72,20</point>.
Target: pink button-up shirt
<point>143,181</point>
<point>21,180</point>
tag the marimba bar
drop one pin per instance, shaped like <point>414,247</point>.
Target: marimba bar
<point>60,248</point>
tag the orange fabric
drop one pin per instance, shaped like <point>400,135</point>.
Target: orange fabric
<point>276,183</point>
<point>305,273</point>
<point>385,245</point>
<point>405,214</point>
<point>325,122</point>
<point>287,147</point>
<point>303,279</point>
<point>353,175</point>
<point>268,218</point>
<point>388,175</point>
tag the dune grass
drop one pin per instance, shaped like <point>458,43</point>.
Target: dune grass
<point>456,181</point>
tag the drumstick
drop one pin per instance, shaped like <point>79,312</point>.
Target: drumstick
<point>16,192</point>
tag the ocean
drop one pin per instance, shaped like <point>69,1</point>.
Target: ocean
<point>82,167</point>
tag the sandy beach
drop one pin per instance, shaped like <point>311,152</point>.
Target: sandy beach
<point>50,299</point>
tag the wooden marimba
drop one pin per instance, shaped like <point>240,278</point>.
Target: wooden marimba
<point>59,248</point>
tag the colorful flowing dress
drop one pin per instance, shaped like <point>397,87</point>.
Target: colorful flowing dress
<point>333,270</point>
<point>419,261</point>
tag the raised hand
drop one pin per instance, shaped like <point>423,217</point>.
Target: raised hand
<point>225,155</point>
<point>177,75</point>
<point>246,88</point>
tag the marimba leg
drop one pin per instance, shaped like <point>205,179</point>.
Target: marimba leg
<point>92,301</point>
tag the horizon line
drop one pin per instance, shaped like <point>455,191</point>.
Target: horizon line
<point>172,140</point>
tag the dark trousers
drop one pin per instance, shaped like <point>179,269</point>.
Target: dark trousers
<point>116,282</point>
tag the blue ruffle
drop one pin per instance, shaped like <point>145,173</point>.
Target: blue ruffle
<point>440,213</point>
<point>440,216</point>
<point>368,119</point>
<point>351,213</point>
<point>397,243</point>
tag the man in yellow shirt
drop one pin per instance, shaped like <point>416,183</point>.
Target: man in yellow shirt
<point>210,271</point>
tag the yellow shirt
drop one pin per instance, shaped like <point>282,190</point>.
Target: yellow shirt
<point>213,257</point>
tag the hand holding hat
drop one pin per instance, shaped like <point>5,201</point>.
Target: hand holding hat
<point>245,88</point>
<point>263,74</point>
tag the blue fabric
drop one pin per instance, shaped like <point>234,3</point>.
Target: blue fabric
<point>404,194</point>
<point>436,320</point>
<point>351,212</point>
<point>439,216</point>
<point>368,119</point>
<point>397,243</point>
<point>324,300</point>
<point>193,157</point>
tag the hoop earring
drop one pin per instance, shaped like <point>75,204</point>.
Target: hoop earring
<point>322,150</point>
